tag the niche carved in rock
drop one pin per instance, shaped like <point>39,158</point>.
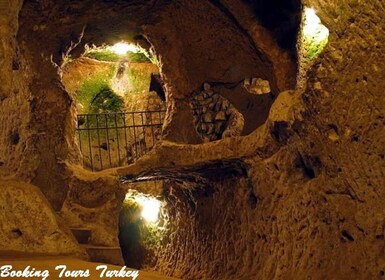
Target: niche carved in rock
<point>215,117</point>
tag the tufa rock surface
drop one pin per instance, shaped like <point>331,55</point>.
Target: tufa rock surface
<point>30,225</point>
<point>310,204</point>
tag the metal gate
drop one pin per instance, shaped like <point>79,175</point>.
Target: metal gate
<point>109,140</point>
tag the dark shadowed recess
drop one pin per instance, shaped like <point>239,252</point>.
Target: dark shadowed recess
<point>281,17</point>
<point>201,173</point>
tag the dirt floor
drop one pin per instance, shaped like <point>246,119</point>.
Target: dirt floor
<point>83,269</point>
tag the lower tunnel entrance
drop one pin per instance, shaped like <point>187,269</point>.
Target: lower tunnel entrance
<point>163,205</point>
<point>142,226</point>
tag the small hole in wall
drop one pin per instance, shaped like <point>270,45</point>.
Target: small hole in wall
<point>17,232</point>
<point>15,138</point>
<point>280,131</point>
<point>310,165</point>
<point>253,200</point>
<point>346,236</point>
<point>15,64</point>
<point>380,237</point>
<point>276,166</point>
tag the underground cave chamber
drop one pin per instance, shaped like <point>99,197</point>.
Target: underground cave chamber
<point>196,139</point>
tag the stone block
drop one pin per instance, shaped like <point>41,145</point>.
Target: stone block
<point>218,106</point>
<point>220,116</point>
<point>206,86</point>
<point>208,118</point>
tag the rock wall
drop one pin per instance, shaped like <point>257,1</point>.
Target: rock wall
<point>93,202</point>
<point>14,102</point>
<point>38,141</point>
<point>30,225</point>
<point>311,206</point>
<point>42,144</point>
<point>191,28</point>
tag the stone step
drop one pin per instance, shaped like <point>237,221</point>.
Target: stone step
<point>82,235</point>
<point>101,254</point>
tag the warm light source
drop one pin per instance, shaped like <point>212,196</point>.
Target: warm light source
<point>122,48</point>
<point>315,34</point>
<point>312,22</point>
<point>313,26</point>
<point>150,208</point>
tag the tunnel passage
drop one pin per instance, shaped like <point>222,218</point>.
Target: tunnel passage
<point>156,201</point>
<point>192,54</point>
<point>143,225</point>
<point>316,192</point>
<point>224,110</point>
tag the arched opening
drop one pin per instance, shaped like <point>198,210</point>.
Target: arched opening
<point>143,224</point>
<point>119,103</point>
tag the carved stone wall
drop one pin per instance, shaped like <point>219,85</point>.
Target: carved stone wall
<point>214,116</point>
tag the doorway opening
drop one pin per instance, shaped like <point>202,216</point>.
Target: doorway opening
<point>120,103</point>
<point>143,224</point>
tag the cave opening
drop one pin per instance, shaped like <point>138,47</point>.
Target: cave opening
<point>120,104</point>
<point>143,224</point>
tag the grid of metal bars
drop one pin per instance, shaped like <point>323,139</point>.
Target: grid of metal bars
<point>109,140</point>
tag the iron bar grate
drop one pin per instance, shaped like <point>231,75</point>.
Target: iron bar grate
<point>109,140</point>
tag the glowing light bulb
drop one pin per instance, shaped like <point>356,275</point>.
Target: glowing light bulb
<point>150,209</point>
<point>122,48</point>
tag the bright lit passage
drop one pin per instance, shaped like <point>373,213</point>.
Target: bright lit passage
<point>143,223</point>
<point>150,208</point>
<point>120,102</point>
<point>314,34</point>
<point>123,48</point>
